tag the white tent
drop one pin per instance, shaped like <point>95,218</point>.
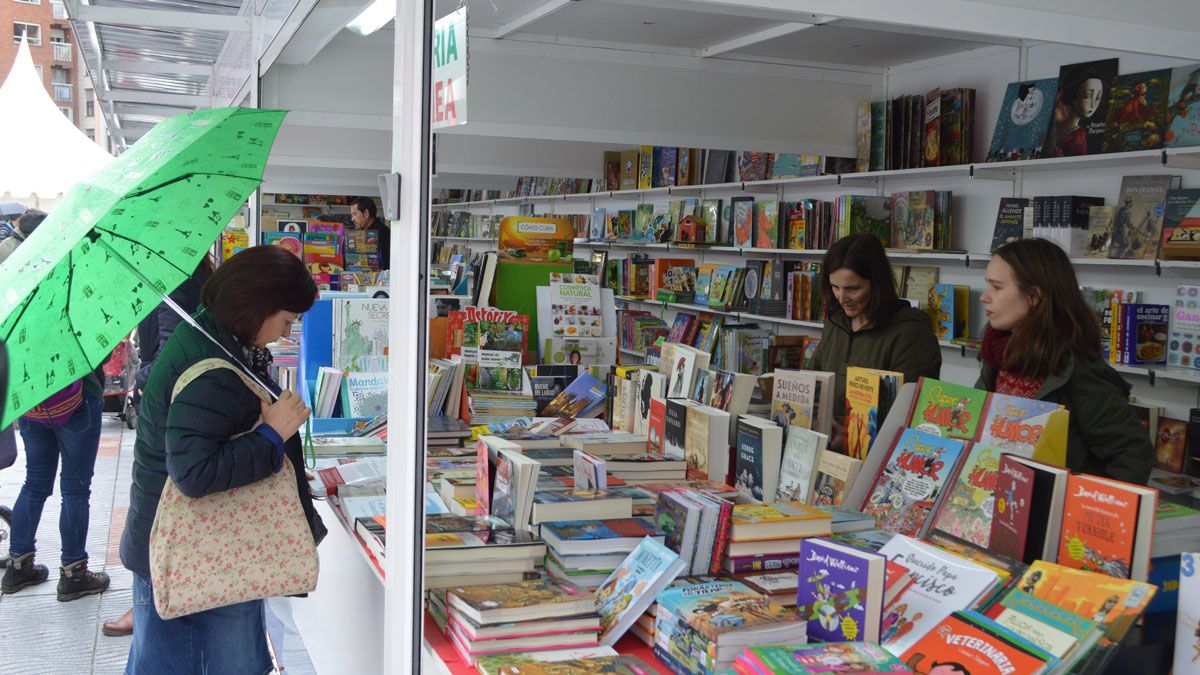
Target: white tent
<point>44,153</point>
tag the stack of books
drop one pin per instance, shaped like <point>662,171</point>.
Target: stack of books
<point>697,527</point>
<point>702,628</point>
<point>477,550</point>
<point>647,468</point>
<point>767,536</point>
<point>525,616</point>
<point>865,657</point>
<point>586,552</point>
<point>446,432</point>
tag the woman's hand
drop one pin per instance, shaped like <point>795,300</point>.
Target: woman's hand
<point>285,415</point>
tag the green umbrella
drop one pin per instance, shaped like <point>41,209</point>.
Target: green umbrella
<point>119,241</point>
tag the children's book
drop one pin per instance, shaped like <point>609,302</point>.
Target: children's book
<point>1183,107</point>
<point>869,395</point>
<point>977,645</point>
<point>1113,602</point>
<point>840,591</point>
<point>1023,120</point>
<point>798,472</point>
<point>1181,225</point>
<point>1137,111</point>
<point>767,218</point>
<point>1107,526</point>
<point>910,483</point>
<point>942,584</point>
<point>633,586</point>
<point>967,510</point>
<point>835,476</point>
<point>1187,622</point>
<point>810,659</point>
<point>948,409</point>
<point>1138,221</point>
<point>1080,129</point>
<point>1025,427</point>
<point>720,608</point>
<point>753,166</point>
<point>743,211</point>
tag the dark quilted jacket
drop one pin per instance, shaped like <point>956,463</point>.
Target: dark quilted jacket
<point>189,439</point>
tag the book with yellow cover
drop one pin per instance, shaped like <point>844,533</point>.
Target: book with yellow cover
<point>869,396</point>
<point>780,520</point>
<point>535,239</point>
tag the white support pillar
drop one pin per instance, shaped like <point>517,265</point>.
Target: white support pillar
<point>406,337</point>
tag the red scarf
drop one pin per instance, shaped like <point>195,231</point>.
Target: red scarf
<point>995,342</point>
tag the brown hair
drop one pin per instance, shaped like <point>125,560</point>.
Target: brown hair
<point>254,284</point>
<point>1059,321</point>
<point>862,254</point>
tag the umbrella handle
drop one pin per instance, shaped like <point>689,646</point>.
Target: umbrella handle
<point>185,316</point>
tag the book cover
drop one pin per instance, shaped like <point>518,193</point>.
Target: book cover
<point>942,584</point>
<point>975,645</point>
<point>716,166</point>
<point>967,510</point>
<point>1181,225</point>
<point>767,220</point>
<point>795,217</point>
<point>674,425</point>
<point>862,410</point>
<point>798,471</point>
<point>715,608</point>
<point>914,219</point>
<point>753,166</point>
<point>1116,603</point>
<point>1099,232</point>
<point>835,476</point>
<point>602,530</point>
<point>645,175</point>
<point>584,394</point>
<point>1137,111</point>
<point>533,239</point>
<point>655,426</point>
<point>1187,622</point>
<point>1010,222</point>
<point>1082,106</point>
<point>914,474</point>
<point>515,595</point>
<point>869,213</point>
<point>1146,327</point>
<point>793,398</point>
<point>1137,223</point>
<point>575,305</point>
<point>1183,107</point>
<point>632,587</point>
<point>790,165</point>
<point>681,373</point>
<point>742,209</point>
<point>810,659</point>
<point>364,332</point>
<point>1099,524</point>
<point>1012,507</point>
<point>365,394</point>
<point>840,592</point>
<point>948,409</point>
<point>1023,121</point>
<point>1184,332</point>
<point>756,471</point>
<point>706,442</point>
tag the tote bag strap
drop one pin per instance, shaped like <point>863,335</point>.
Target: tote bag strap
<point>200,367</point>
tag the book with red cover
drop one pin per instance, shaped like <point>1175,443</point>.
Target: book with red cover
<point>1107,527</point>
<point>976,645</point>
<point>1012,500</point>
<point>683,329</point>
<point>659,270</point>
<point>656,426</point>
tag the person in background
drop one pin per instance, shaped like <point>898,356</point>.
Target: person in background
<point>867,324</point>
<point>66,426</point>
<point>363,213</point>
<point>1043,342</point>
<point>215,435</point>
<point>153,333</point>
<point>24,226</point>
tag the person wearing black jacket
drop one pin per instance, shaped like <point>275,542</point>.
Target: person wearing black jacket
<point>363,214</point>
<point>210,439</point>
<point>153,332</point>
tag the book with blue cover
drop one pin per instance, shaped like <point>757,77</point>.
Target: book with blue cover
<point>583,398</point>
<point>633,586</point>
<point>1024,119</point>
<point>840,592</point>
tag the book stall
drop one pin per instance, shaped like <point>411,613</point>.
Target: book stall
<point>626,464</point>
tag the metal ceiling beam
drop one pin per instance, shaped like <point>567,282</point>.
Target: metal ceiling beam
<point>154,98</point>
<point>532,16</point>
<point>978,21</point>
<point>754,38</point>
<point>157,18</point>
<point>157,67</point>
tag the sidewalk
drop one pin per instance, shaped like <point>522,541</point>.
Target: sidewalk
<point>41,636</point>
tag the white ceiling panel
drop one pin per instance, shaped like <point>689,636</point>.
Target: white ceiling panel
<point>489,13</point>
<point>644,25</point>
<point>832,43</point>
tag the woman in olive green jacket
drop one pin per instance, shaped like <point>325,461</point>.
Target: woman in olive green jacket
<point>866,323</point>
<point>1043,342</point>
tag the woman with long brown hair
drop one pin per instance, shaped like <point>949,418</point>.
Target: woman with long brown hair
<point>1043,342</point>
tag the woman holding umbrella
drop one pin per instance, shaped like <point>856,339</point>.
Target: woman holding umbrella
<point>212,435</point>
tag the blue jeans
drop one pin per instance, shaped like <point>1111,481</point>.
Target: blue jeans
<point>77,441</point>
<point>229,640</point>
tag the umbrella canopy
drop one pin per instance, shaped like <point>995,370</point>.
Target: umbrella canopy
<point>45,153</point>
<point>120,241</point>
<point>10,210</point>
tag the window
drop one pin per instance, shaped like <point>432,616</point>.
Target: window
<point>60,75</point>
<point>67,113</point>
<point>89,109</point>
<point>31,2</point>
<point>31,31</point>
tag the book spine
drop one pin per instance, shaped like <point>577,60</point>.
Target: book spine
<point>762,564</point>
<point>1114,329</point>
<point>721,542</point>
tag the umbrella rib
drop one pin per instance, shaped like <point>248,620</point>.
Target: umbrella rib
<point>185,176</point>
<point>20,314</point>
<point>135,241</point>
<point>70,323</point>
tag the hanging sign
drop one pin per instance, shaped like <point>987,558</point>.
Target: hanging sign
<point>450,70</point>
